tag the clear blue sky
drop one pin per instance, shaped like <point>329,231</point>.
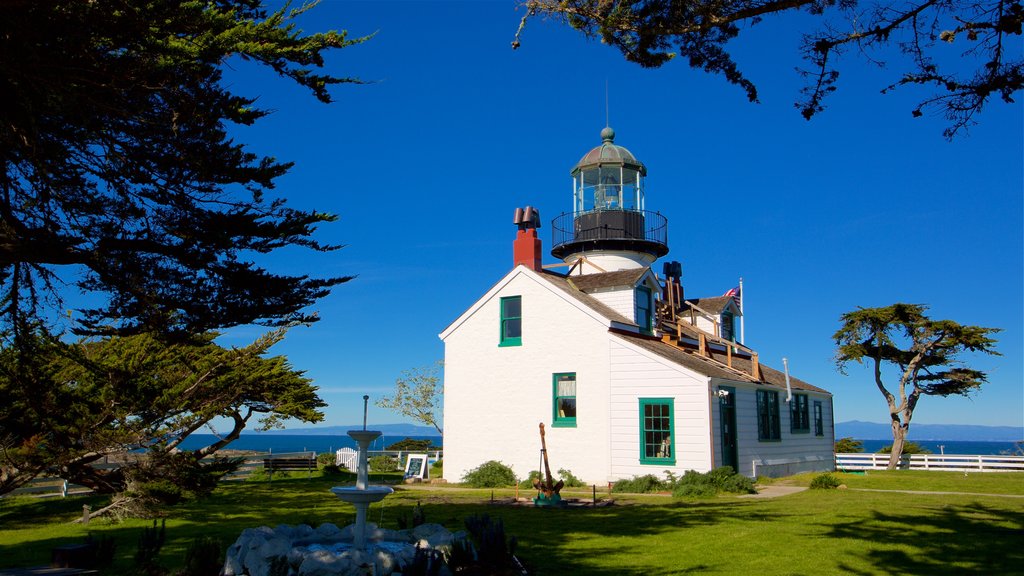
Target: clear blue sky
<point>863,206</point>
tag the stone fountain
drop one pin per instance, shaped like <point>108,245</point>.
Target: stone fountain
<point>361,549</point>
<point>362,494</point>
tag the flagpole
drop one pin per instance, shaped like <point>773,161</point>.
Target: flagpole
<point>743,315</point>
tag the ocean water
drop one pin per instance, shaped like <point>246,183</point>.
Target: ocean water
<point>282,443</point>
<point>950,446</point>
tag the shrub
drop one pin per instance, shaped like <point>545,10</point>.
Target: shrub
<point>324,460</point>
<point>437,469</point>
<point>384,464</point>
<point>849,446</point>
<point>411,445</point>
<point>570,480</point>
<point>528,481</point>
<point>824,481</point>
<point>694,484</point>
<point>203,557</point>
<point>490,474</point>
<point>639,485</point>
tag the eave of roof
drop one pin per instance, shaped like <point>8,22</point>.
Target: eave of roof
<point>619,278</point>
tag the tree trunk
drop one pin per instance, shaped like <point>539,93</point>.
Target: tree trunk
<point>899,438</point>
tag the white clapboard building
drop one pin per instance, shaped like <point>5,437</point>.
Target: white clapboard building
<point>628,374</point>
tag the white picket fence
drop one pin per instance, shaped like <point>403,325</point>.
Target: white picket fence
<point>948,462</point>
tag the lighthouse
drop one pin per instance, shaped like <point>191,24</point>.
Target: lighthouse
<point>609,228</point>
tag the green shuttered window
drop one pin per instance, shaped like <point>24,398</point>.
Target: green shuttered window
<point>511,321</point>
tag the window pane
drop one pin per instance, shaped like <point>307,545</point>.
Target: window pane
<point>513,328</point>
<point>513,307</point>
<point>567,408</point>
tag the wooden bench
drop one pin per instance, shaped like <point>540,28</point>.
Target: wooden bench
<point>272,465</point>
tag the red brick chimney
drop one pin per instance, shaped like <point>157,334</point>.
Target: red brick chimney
<point>527,246</point>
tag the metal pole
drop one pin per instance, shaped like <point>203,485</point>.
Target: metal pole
<point>366,398</point>
<point>743,314</point>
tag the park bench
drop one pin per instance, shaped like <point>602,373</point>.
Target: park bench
<point>272,465</point>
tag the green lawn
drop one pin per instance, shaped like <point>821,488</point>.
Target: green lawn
<point>813,532</point>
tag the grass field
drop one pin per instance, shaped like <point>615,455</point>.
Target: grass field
<point>813,532</point>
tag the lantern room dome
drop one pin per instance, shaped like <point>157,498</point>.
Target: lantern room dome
<point>609,154</point>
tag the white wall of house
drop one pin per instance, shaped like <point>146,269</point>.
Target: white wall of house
<point>794,452</point>
<point>495,397</point>
<point>637,374</point>
<point>622,300</point>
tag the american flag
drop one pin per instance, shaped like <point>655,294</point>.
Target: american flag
<point>735,293</point>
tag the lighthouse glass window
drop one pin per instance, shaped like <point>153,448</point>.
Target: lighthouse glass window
<point>657,438</point>
<point>564,400</point>
<point>511,321</point>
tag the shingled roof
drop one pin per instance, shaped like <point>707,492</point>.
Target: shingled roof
<point>571,288</point>
<point>593,282</point>
<point>713,367</point>
<point>714,305</point>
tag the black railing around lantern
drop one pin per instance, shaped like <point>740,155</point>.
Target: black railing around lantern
<point>636,230</point>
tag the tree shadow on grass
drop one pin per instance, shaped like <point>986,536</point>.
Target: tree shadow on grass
<point>951,539</point>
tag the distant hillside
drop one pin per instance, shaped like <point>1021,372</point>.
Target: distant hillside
<point>962,432</point>
<point>387,429</point>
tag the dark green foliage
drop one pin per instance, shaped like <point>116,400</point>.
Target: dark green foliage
<point>824,481</point>
<point>140,392</point>
<point>490,474</point>
<point>849,446</point>
<point>527,482</point>
<point>150,542</point>
<point>923,357</point>
<point>570,480</point>
<point>119,178</point>
<point>694,484</point>
<point>653,32</point>
<point>437,469</point>
<point>411,445</point>
<point>324,460</point>
<point>493,550</point>
<point>640,485</point>
<point>204,557</point>
<point>383,464</point>
<point>908,448</point>
<point>418,518</point>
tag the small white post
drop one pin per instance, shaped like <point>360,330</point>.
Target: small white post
<point>64,489</point>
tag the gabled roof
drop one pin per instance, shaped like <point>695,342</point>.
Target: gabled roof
<point>570,286</point>
<point>559,285</point>
<point>714,368</point>
<point>714,304</point>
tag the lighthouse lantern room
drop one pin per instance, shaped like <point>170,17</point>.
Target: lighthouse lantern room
<point>609,226</point>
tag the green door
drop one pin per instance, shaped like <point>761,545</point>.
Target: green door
<point>727,417</point>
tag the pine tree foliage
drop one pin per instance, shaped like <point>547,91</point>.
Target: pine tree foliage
<point>926,354</point>
<point>966,52</point>
<point>118,178</point>
<point>68,408</point>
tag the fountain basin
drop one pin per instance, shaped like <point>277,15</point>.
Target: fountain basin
<point>356,495</point>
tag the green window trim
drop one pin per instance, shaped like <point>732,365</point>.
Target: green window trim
<point>563,400</point>
<point>644,309</point>
<point>728,326</point>
<point>511,327</point>
<point>657,431</point>
<point>819,422</point>
<point>768,429</point>
<point>799,415</point>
